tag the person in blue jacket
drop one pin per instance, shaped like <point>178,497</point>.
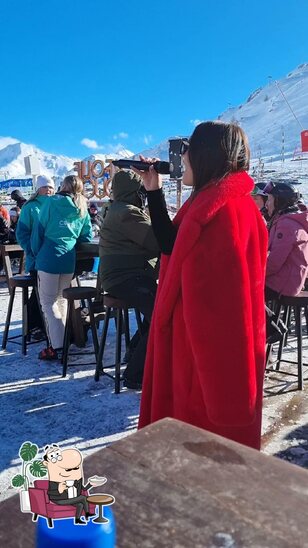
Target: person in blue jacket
<point>63,221</point>
<point>45,188</point>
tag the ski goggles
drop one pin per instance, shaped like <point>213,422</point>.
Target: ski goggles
<point>258,192</point>
<point>268,188</point>
<point>184,146</point>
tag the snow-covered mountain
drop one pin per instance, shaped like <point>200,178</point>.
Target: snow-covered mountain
<point>266,116</point>
<point>12,153</point>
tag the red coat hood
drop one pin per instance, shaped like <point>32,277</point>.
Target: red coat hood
<point>208,201</point>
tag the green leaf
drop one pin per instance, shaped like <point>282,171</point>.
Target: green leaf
<point>37,469</point>
<point>28,451</point>
<point>18,481</point>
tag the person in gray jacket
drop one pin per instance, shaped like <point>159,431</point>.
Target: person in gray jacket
<point>129,260</point>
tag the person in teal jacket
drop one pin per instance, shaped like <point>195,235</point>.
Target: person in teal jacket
<point>29,213</point>
<point>45,188</point>
<point>63,221</point>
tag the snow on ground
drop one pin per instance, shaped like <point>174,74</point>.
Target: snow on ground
<point>38,405</point>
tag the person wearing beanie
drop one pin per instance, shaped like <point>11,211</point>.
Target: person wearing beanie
<point>17,196</point>
<point>28,215</point>
<point>129,261</point>
<point>44,181</point>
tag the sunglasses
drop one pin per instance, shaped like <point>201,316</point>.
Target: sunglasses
<point>184,146</point>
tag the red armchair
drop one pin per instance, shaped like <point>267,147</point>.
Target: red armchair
<point>42,506</point>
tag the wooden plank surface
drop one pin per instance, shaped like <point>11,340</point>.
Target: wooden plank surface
<point>178,486</point>
<point>8,252</point>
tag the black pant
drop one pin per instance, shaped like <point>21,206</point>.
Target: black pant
<point>34,308</point>
<point>80,502</point>
<point>138,292</point>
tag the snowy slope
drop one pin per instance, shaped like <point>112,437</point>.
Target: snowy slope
<point>265,116</point>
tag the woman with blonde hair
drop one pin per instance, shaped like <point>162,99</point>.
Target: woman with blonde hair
<point>63,222</point>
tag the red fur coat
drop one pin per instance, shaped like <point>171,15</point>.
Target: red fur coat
<point>206,349</point>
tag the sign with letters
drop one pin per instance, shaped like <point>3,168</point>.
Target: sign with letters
<point>96,174</point>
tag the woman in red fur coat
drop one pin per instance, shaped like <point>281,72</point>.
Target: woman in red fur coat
<point>206,350</point>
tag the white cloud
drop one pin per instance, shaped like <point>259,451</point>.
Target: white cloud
<point>147,139</point>
<point>121,135</point>
<point>195,122</point>
<point>90,143</point>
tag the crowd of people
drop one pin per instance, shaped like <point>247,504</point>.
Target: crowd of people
<point>200,280</point>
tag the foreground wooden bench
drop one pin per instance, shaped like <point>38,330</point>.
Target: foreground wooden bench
<point>178,486</point>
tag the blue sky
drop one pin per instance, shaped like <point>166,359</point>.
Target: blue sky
<point>136,72</point>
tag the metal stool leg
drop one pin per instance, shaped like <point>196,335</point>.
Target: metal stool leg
<point>268,353</point>
<point>99,365</point>
<point>282,344</point>
<point>298,321</point>
<point>93,328</point>
<point>67,337</point>
<point>118,351</point>
<point>8,318</point>
<point>287,320</point>
<point>24,319</point>
<point>126,328</point>
<point>306,317</point>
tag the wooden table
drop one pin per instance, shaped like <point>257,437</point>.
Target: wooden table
<point>179,486</point>
<point>86,250</point>
<point>100,500</point>
<point>8,252</point>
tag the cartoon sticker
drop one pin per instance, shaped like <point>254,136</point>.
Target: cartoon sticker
<point>64,485</point>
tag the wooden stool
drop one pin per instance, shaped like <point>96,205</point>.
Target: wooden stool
<point>77,294</point>
<point>121,309</point>
<point>24,282</point>
<point>297,303</point>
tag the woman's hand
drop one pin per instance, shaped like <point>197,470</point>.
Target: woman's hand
<point>151,179</point>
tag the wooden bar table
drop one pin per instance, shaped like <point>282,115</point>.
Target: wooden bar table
<point>179,486</point>
<point>84,251</point>
<point>8,252</point>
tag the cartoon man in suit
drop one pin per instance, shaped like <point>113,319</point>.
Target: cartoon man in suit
<point>66,480</point>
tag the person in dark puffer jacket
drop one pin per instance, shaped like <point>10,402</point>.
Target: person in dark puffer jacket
<point>129,260</point>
